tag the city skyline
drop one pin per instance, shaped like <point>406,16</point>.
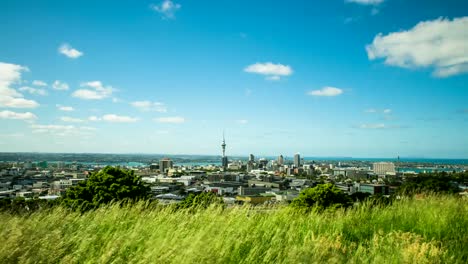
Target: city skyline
<point>340,78</point>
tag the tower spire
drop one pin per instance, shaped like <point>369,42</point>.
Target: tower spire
<point>224,145</point>
<point>224,160</point>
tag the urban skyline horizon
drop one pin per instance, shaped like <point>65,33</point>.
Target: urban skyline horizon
<point>257,156</point>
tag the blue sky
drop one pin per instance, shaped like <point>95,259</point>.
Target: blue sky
<point>360,78</point>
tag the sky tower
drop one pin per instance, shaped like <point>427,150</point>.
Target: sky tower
<point>224,160</point>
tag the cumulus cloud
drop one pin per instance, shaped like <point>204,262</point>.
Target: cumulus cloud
<point>150,106</point>
<point>94,118</point>
<point>273,78</point>
<point>166,8</point>
<point>366,2</point>
<point>170,120</point>
<point>39,83</point>
<point>71,119</point>
<point>440,44</point>
<point>373,110</point>
<point>10,74</point>
<point>94,90</point>
<point>62,130</point>
<point>59,85</point>
<point>119,119</point>
<point>372,126</point>
<point>28,116</point>
<point>273,72</point>
<point>380,126</point>
<point>35,91</point>
<point>326,91</point>
<point>65,108</point>
<point>70,52</point>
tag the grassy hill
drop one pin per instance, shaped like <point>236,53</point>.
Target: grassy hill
<point>429,230</point>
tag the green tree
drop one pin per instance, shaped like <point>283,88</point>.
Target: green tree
<point>321,197</point>
<point>433,183</point>
<point>109,184</point>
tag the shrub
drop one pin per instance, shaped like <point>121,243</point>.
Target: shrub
<point>108,185</point>
<point>321,197</point>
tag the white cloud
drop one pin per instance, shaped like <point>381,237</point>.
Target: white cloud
<point>94,118</point>
<point>375,11</point>
<point>39,83</point>
<point>166,8</point>
<point>372,126</point>
<point>150,106</point>
<point>95,90</point>
<point>273,78</point>
<point>71,119</point>
<point>440,44</point>
<point>366,2</point>
<point>373,110</point>
<point>12,102</point>
<point>326,91</point>
<point>11,74</point>
<point>33,90</point>
<point>272,71</point>
<point>65,108</point>
<point>381,126</point>
<point>119,119</point>
<point>61,86</point>
<point>171,120</point>
<point>62,130</point>
<point>242,121</point>
<point>28,116</point>
<point>70,52</point>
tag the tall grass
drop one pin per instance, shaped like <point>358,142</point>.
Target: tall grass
<point>432,230</point>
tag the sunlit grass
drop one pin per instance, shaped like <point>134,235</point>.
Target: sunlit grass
<point>432,230</point>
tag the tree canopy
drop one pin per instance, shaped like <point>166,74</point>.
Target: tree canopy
<point>321,197</point>
<point>441,182</point>
<point>107,185</point>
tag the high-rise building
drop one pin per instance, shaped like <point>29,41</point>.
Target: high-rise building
<point>165,164</point>
<point>280,160</point>
<point>251,157</point>
<point>297,160</point>
<point>383,168</point>
<point>224,160</point>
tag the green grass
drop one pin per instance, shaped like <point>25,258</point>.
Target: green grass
<point>432,230</point>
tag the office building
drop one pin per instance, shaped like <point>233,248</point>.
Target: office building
<point>251,158</point>
<point>297,160</point>
<point>280,160</point>
<point>383,168</point>
<point>165,164</point>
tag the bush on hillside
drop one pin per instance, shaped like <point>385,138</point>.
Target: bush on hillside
<point>321,197</point>
<point>108,185</point>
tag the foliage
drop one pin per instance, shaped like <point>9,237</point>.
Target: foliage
<point>432,230</point>
<point>200,201</point>
<point>433,182</point>
<point>359,196</point>
<point>109,184</point>
<point>321,197</point>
